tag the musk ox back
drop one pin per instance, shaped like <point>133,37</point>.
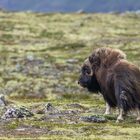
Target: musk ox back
<point>107,71</point>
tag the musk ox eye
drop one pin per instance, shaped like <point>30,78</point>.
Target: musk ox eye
<point>86,70</point>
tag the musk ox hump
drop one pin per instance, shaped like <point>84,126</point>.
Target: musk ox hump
<point>106,57</point>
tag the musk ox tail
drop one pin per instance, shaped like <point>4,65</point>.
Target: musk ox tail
<point>127,101</point>
<point>128,93</point>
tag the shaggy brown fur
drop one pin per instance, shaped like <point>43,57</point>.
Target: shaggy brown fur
<point>107,71</point>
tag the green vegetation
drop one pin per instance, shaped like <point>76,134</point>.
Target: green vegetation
<point>41,55</point>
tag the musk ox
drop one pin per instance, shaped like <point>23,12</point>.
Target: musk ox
<point>107,71</point>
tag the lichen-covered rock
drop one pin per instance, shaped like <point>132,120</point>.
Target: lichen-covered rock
<point>94,119</point>
<point>17,112</point>
<point>49,108</point>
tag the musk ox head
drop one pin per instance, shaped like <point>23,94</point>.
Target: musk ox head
<point>102,57</point>
<point>87,78</point>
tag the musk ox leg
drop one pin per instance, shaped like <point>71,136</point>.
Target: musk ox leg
<point>108,109</point>
<point>138,115</point>
<point>122,101</point>
<point>120,117</point>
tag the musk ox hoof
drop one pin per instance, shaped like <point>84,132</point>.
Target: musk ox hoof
<point>119,120</point>
<point>107,113</point>
<point>138,119</point>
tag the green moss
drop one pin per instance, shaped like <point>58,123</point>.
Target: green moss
<point>55,35</point>
<point>13,124</point>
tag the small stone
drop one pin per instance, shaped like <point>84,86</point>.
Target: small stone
<point>93,119</point>
<point>2,101</point>
<point>50,108</point>
<point>18,67</point>
<point>30,57</point>
<point>21,129</point>
<point>72,61</point>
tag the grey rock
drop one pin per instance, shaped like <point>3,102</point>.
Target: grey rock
<point>93,119</point>
<point>49,108</point>
<point>17,112</point>
<point>30,57</point>
<point>72,61</point>
<point>18,67</point>
<point>2,100</point>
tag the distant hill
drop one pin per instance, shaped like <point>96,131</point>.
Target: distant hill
<point>71,5</point>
